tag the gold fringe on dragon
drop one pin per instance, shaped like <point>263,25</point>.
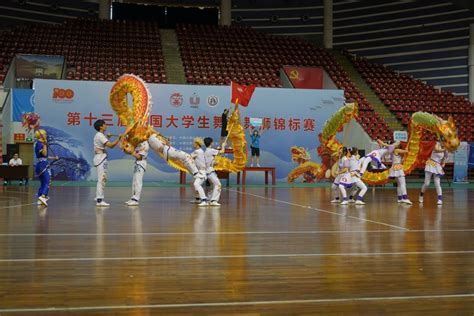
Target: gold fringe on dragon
<point>330,147</point>
<point>135,119</point>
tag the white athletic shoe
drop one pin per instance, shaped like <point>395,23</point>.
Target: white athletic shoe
<point>102,203</point>
<point>420,199</point>
<point>407,202</point>
<point>214,203</point>
<point>400,201</point>
<point>440,202</point>
<point>258,165</point>
<point>335,201</point>
<point>39,202</point>
<point>195,201</point>
<point>359,202</point>
<point>344,203</point>
<point>351,201</point>
<point>43,200</point>
<point>203,203</point>
<point>128,201</point>
<point>133,203</point>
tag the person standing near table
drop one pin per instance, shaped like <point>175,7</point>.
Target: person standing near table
<point>224,131</point>
<point>255,145</point>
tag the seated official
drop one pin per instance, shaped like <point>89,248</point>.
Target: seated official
<point>14,162</point>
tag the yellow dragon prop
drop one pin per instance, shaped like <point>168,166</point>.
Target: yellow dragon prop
<point>135,119</point>
<point>445,131</point>
<point>330,147</point>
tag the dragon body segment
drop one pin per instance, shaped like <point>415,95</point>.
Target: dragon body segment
<point>330,147</point>
<point>135,118</point>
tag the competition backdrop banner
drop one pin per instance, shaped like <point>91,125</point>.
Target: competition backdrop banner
<point>68,110</point>
<point>461,157</point>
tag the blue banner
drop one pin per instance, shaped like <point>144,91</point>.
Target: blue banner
<point>22,102</point>
<point>290,117</point>
<point>460,163</point>
<point>471,156</point>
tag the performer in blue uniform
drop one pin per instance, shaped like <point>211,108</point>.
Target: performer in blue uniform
<point>42,168</point>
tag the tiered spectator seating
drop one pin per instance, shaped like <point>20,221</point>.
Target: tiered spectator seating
<point>104,50</point>
<point>94,49</point>
<point>216,55</point>
<point>403,95</point>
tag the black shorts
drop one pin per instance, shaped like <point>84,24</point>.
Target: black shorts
<point>255,151</point>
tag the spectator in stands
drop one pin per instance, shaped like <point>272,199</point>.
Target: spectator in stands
<point>15,161</point>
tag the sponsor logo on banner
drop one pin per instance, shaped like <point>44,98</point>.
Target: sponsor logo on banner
<point>176,99</point>
<point>212,101</point>
<point>63,95</point>
<point>194,100</point>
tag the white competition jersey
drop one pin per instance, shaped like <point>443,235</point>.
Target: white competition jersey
<point>209,155</point>
<point>15,162</point>
<point>345,178</point>
<point>99,143</point>
<point>354,164</point>
<point>438,156</point>
<point>142,149</point>
<point>199,159</point>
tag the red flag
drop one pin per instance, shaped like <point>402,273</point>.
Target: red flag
<point>241,93</point>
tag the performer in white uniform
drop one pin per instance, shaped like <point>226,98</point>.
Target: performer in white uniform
<point>335,184</point>
<point>101,142</point>
<point>375,158</point>
<point>200,161</point>
<point>170,152</point>
<point>354,166</point>
<point>141,155</point>
<point>434,168</point>
<point>396,172</point>
<point>345,180</point>
<point>209,156</point>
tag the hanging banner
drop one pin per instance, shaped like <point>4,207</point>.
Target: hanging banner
<point>471,156</point>
<point>38,66</point>
<point>22,102</point>
<point>68,110</point>
<point>305,77</point>
<point>461,157</point>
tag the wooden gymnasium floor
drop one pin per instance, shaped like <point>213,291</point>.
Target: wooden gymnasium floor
<point>266,251</point>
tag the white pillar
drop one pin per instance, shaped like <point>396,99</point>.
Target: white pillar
<point>327,35</point>
<point>104,9</point>
<point>225,10</point>
<point>471,62</point>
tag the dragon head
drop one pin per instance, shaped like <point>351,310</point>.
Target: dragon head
<point>447,133</point>
<point>299,154</point>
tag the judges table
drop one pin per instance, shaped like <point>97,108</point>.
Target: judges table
<point>257,169</point>
<point>14,173</point>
